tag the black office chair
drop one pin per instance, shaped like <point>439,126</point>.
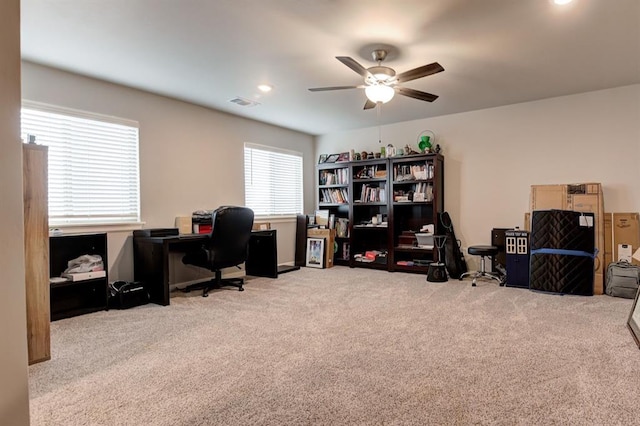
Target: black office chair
<point>227,246</point>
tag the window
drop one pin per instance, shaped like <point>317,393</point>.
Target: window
<point>272,180</point>
<point>93,165</point>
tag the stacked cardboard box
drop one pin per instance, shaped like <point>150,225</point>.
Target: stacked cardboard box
<point>621,229</point>
<point>584,197</point>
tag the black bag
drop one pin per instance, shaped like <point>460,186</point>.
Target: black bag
<point>622,279</point>
<point>127,294</point>
<point>453,257</point>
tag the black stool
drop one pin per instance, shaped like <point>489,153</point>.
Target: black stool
<point>482,251</point>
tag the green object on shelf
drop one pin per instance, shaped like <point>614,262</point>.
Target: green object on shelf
<point>424,143</point>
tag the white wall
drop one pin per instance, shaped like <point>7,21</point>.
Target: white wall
<point>14,392</point>
<point>191,157</point>
<point>492,156</point>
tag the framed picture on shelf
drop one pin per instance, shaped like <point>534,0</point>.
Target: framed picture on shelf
<point>633,323</point>
<point>322,218</point>
<point>315,252</point>
<point>332,158</point>
<point>343,156</point>
<point>322,159</point>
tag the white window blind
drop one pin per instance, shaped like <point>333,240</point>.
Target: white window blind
<point>272,180</point>
<point>93,165</point>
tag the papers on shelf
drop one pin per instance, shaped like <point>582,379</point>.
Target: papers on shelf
<point>81,276</point>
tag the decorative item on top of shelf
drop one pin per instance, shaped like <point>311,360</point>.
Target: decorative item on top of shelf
<point>364,155</point>
<point>332,158</point>
<point>322,159</point>
<point>342,157</point>
<point>390,151</point>
<point>356,156</point>
<point>410,151</point>
<point>426,139</point>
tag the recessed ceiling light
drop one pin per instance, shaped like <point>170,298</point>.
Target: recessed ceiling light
<point>561,2</point>
<point>265,88</point>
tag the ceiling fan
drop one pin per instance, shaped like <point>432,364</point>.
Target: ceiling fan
<point>381,82</point>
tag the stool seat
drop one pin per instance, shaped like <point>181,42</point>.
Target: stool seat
<point>483,250</point>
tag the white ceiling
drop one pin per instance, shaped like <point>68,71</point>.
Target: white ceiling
<point>495,52</point>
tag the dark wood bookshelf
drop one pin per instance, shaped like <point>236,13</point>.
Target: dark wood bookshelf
<point>386,180</point>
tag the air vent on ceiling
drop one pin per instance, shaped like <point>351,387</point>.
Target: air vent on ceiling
<point>244,102</point>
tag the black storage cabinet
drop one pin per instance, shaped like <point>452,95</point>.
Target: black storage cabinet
<point>73,298</point>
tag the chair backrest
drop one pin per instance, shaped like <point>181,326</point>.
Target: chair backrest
<point>230,234</point>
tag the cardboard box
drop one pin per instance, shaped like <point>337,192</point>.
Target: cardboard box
<point>563,197</point>
<point>184,225</point>
<point>625,230</point>
<point>261,226</point>
<point>582,197</point>
<point>329,237</point>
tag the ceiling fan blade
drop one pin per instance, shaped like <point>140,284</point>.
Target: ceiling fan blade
<point>354,65</point>
<point>369,104</point>
<point>420,72</point>
<point>322,89</point>
<point>416,94</point>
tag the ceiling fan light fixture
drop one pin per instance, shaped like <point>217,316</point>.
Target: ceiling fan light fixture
<point>381,73</point>
<point>379,93</point>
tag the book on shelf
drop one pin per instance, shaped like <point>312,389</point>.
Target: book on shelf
<point>334,195</point>
<point>373,194</point>
<point>334,177</point>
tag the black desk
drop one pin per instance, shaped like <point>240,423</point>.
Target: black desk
<point>151,258</point>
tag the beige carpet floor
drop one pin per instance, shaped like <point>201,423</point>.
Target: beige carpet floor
<point>345,346</point>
